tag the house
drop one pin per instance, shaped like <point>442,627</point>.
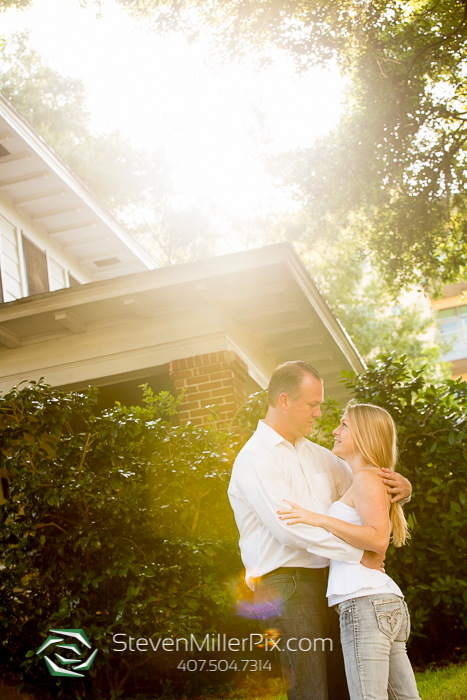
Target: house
<point>83,302</point>
<point>451,314</point>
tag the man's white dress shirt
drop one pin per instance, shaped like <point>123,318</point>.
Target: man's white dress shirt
<point>269,469</point>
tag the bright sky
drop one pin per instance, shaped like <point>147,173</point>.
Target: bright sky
<point>160,91</point>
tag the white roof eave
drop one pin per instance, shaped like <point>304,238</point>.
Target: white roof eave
<point>22,127</point>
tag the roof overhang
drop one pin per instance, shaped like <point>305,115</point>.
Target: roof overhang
<point>38,183</point>
<point>261,303</point>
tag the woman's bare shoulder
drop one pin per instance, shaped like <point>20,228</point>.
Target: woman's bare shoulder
<point>368,478</point>
<point>368,481</point>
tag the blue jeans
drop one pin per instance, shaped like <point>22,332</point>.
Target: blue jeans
<point>294,604</point>
<point>374,630</point>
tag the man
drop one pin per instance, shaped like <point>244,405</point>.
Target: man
<point>286,566</point>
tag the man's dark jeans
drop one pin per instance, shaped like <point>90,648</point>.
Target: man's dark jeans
<point>292,602</point>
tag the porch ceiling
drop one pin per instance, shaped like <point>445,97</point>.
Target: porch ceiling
<point>269,304</point>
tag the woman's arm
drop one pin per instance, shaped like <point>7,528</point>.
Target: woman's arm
<point>370,502</point>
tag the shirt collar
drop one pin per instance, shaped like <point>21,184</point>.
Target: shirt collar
<point>272,436</point>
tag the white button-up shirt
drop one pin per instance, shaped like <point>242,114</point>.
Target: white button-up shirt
<point>269,469</point>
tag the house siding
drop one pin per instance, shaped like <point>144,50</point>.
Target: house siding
<point>13,224</point>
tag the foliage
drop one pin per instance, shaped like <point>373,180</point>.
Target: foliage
<point>135,184</point>
<point>256,407</point>
<point>398,156</point>
<point>431,422</point>
<point>177,235</point>
<point>17,4</point>
<point>376,322</point>
<point>55,105</point>
<point>432,429</point>
<point>117,522</point>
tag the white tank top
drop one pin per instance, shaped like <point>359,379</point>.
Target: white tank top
<point>354,580</point>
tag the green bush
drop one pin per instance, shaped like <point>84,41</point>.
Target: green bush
<point>120,522</point>
<point>116,522</point>
<point>432,431</point>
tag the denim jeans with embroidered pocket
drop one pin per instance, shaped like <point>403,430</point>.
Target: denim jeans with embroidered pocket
<point>374,630</point>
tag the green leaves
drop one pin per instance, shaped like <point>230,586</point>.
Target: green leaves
<point>124,526</point>
<point>431,569</point>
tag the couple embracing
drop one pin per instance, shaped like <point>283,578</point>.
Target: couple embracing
<point>314,530</point>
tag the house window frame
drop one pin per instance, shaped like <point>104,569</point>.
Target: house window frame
<point>18,234</point>
<point>460,334</point>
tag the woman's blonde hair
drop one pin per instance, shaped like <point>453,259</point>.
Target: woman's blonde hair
<point>374,434</point>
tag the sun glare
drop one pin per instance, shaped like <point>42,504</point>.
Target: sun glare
<point>214,123</point>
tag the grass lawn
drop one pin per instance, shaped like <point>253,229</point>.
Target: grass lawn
<point>443,684</point>
<point>448,683</point>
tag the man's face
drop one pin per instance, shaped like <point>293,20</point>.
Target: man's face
<point>302,413</point>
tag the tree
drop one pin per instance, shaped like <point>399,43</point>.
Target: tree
<point>18,4</point>
<point>177,234</point>
<point>116,522</point>
<point>376,322</point>
<point>56,107</point>
<point>398,155</point>
<point>431,421</point>
<point>135,184</point>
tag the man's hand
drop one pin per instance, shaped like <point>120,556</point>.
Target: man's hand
<point>373,560</point>
<point>398,485</point>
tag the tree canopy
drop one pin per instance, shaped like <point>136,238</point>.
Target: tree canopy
<point>398,155</point>
<point>135,184</point>
<point>56,107</point>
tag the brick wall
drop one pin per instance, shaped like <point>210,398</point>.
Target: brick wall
<point>215,378</point>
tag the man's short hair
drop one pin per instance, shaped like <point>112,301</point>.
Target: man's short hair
<point>288,378</point>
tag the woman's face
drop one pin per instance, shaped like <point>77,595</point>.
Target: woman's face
<point>343,440</point>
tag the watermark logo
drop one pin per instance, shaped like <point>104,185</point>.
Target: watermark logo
<point>75,644</point>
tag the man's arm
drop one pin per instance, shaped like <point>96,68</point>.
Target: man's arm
<point>264,488</point>
<point>370,501</point>
<point>397,485</point>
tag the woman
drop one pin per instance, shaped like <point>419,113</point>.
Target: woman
<point>374,619</point>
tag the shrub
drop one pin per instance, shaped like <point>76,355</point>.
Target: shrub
<point>432,430</point>
<point>120,522</point>
<point>116,522</point>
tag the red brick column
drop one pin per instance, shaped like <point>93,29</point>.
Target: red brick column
<point>215,378</point>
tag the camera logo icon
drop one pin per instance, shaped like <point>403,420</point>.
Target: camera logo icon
<point>68,646</point>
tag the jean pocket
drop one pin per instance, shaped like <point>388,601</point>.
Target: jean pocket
<point>272,594</point>
<point>391,617</point>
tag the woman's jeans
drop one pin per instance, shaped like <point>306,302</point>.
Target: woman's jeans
<point>374,630</point>
<point>291,603</point>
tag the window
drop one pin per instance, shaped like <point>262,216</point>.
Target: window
<point>36,268</point>
<point>25,268</point>
<point>10,263</point>
<point>57,278</point>
<point>453,324</point>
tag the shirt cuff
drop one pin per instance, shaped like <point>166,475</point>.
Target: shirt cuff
<point>354,555</point>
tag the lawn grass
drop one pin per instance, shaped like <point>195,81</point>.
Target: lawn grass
<point>449,683</point>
